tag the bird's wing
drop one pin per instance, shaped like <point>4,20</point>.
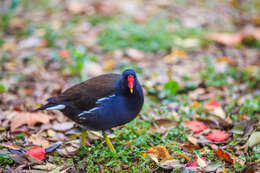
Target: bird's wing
<point>84,95</point>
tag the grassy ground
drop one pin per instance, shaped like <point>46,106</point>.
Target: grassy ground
<point>47,46</point>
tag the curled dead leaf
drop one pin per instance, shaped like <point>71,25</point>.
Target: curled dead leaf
<point>161,126</point>
<point>161,153</point>
<point>232,39</point>
<point>10,146</point>
<point>39,141</point>
<point>29,118</point>
<point>214,108</point>
<point>224,155</point>
<point>254,139</point>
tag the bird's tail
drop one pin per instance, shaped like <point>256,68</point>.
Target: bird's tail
<point>44,107</point>
<point>51,105</point>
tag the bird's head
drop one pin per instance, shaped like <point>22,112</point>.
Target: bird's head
<point>129,80</point>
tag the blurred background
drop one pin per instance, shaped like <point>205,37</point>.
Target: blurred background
<point>186,53</point>
<point>46,45</point>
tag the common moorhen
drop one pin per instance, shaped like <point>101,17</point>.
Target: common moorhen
<point>101,103</point>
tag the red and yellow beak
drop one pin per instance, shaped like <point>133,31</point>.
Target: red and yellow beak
<point>131,79</point>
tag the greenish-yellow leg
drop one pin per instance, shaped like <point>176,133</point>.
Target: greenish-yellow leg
<point>83,138</point>
<point>109,144</point>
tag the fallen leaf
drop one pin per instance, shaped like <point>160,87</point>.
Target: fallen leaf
<point>19,158</point>
<point>183,155</point>
<point>232,39</point>
<point>228,39</point>
<point>159,152</point>
<point>48,166</point>
<point>214,122</point>
<point>194,162</point>
<point>104,7</point>
<point>212,167</point>
<point>189,147</point>
<point>78,6</point>
<point>245,127</point>
<point>134,53</point>
<point>29,118</point>
<point>202,162</point>
<point>36,152</point>
<point>109,65</point>
<point>192,140</point>
<point>195,126</point>
<point>68,150</point>
<point>170,164</point>
<point>29,43</point>
<point>218,136</point>
<point>10,146</point>
<point>161,126</point>
<point>215,109</point>
<point>64,53</point>
<point>254,139</point>
<point>225,59</point>
<point>175,54</point>
<point>51,133</point>
<point>9,46</point>
<point>194,95</point>
<point>39,141</point>
<point>212,105</point>
<point>62,127</point>
<point>222,154</point>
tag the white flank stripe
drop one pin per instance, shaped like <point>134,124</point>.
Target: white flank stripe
<point>104,99</point>
<point>57,107</point>
<point>89,111</point>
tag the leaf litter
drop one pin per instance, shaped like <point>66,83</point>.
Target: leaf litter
<point>34,66</point>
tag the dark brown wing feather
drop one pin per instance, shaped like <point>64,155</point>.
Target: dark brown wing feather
<point>83,96</point>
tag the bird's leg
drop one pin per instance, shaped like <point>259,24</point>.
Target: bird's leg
<point>109,144</point>
<point>83,138</point>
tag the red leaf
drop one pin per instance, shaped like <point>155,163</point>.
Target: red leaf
<point>194,162</point>
<point>64,53</point>
<point>218,136</point>
<point>36,152</point>
<point>221,154</point>
<point>195,126</point>
<point>212,105</point>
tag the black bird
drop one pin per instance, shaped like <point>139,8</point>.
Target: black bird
<point>101,103</point>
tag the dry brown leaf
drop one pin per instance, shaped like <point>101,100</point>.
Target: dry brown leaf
<point>222,154</point>
<point>109,65</point>
<point>51,133</point>
<point>228,39</point>
<point>232,39</point>
<point>161,126</point>
<point>62,127</point>
<point>225,59</point>
<point>78,6</point>
<point>39,141</point>
<point>10,146</point>
<point>192,140</point>
<point>160,152</point>
<point>29,119</point>
<point>175,54</point>
<point>135,53</point>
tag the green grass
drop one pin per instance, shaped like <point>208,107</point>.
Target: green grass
<point>152,36</point>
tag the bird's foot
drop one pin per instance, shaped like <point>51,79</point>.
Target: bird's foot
<point>83,138</point>
<point>109,143</point>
